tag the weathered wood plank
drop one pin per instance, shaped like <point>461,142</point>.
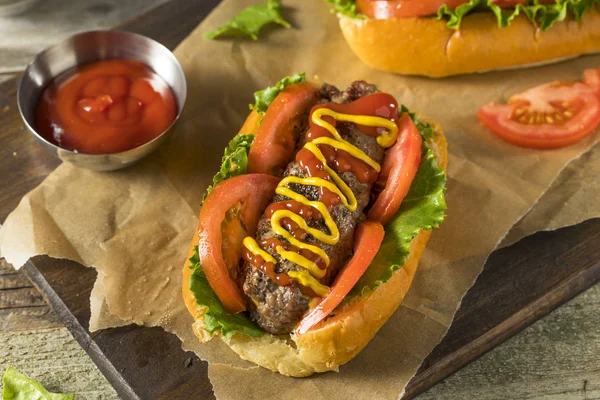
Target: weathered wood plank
<point>14,282</point>
<point>21,306</point>
<point>5,77</point>
<point>6,269</point>
<point>27,318</point>
<point>557,358</point>
<point>519,284</point>
<point>23,36</point>
<point>54,358</point>
<point>18,148</point>
<point>22,297</point>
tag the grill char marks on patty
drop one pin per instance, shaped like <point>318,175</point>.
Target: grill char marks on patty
<point>277,309</point>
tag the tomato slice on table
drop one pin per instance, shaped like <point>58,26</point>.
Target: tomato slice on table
<point>549,116</point>
<point>275,141</point>
<point>367,240</point>
<point>399,168</point>
<point>229,214</point>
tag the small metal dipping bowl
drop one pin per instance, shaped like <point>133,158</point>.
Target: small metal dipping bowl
<point>96,46</point>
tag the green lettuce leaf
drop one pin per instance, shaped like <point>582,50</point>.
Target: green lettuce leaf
<point>19,387</point>
<point>578,8</point>
<point>543,15</point>
<point>264,98</point>
<point>250,20</point>
<point>345,7</point>
<point>423,208</point>
<point>455,16</point>
<point>424,128</point>
<point>235,160</point>
<point>215,316</point>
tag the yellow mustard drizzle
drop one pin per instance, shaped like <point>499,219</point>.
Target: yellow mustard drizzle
<point>255,249</point>
<point>307,280</point>
<point>387,139</point>
<point>311,273</point>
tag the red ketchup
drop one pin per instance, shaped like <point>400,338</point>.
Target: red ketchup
<point>105,107</point>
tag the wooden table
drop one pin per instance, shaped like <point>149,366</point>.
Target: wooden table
<point>556,358</point>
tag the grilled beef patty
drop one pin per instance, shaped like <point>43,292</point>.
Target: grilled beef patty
<point>277,309</point>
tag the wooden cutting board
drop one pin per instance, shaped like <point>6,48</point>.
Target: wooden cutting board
<point>518,285</point>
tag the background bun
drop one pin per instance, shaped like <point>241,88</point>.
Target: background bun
<point>339,338</point>
<point>425,46</point>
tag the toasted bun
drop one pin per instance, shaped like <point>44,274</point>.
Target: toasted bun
<point>425,46</point>
<point>339,338</point>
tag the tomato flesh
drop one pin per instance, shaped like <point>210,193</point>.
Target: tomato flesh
<point>549,116</point>
<point>367,240</point>
<point>399,168</point>
<point>275,141</point>
<point>229,214</point>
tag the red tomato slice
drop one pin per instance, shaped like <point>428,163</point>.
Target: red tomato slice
<point>229,214</point>
<point>400,165</point>
<point>275,141</point>
<point>549,116</point>
<point>384,9</point>
<point>367,240</point>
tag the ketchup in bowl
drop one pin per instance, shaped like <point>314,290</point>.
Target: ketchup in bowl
<point>105,107</point>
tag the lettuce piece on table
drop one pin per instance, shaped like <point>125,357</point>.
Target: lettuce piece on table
<point>19,387</point>
<point>250,21</point>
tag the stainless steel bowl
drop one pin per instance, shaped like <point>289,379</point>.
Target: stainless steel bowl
<point>95,46</point>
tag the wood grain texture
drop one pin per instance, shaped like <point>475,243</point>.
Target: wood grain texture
<point>21,305</point>
<point>56,360</point>
<point>557,358</point>
<point>34,341</point>
<point>519,284</point>
<point>19,149</point>
<point>141,363</point>
<point>23,36</point>
<point>5,77</point>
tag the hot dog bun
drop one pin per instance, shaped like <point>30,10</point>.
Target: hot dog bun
<point>337,339</point>
<point>425,46</point>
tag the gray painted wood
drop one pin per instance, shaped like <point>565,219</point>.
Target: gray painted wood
<point>556,358</point>
<point>55,359</point>
<point>23,36</point>
<point>33,341</point>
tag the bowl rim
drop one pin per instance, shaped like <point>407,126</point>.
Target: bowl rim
<point>98,31</point>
